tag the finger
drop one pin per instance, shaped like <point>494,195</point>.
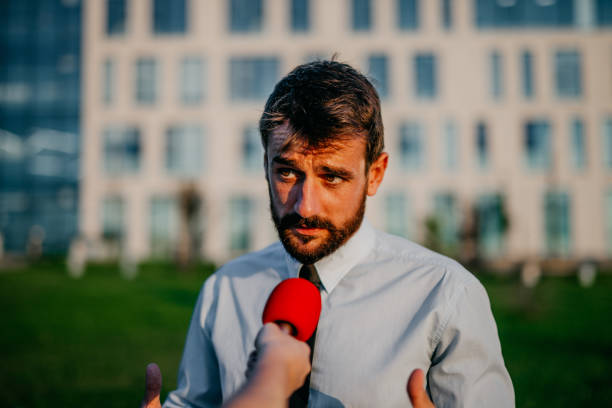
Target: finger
<point>153,382</point>
<point>416,390</point>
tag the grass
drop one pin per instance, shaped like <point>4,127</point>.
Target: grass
<point>86,342</point>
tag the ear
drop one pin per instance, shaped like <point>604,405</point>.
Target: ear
<point>376,173</point>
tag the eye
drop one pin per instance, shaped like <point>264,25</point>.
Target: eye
<point>285,173</point>
<point>332,179</point>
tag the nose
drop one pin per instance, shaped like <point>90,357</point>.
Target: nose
<point>307,202</point>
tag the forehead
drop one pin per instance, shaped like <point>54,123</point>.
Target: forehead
<point>282,142</point>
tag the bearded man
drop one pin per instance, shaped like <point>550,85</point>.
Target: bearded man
<point>389,306</point>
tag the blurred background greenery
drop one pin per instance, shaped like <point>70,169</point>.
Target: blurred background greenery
<point>86,342</point>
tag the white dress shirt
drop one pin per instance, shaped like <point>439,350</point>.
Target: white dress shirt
<point>389,306</point>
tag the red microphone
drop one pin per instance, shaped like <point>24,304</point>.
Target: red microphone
<point>295,305</point>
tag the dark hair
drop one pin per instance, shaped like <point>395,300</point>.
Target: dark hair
<point>323,102</point>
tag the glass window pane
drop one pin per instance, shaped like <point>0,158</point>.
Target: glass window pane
<point>411,145</point>
<point>241,214</point>
<point>524,13</point>
<point>252,78</point>
<point>163,226</point>
<point>245,15</point>
<point>497,87</point>
<point>113,213</point>
<point>537,142</point>
<point>396,214</point>
<point>108,82</point>
<point>568,75</point>
<point>447,14</point>
<point>578,144</point>
<point>115,17</point>
<point>121,149</point>
<point>608,217</point>
<point>300,15</point>
<point>527,71</point>
<point>482,145</point>
<point>603,11</point>
<point>362,15</point>
<point>169,16</point>
<point>252,150</point>
<point>451,145</point>
<point>408,14</point>
<point>492,223</point>
<point>192,74</point>
<point>184,150</point>
<point>425,81</point>
<point>557,223</point>
<point>378,70</point>
<point>606,131</point>
<point>447,215</point>
<point>146,81</point>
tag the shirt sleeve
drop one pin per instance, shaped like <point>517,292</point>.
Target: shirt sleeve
<point>198,377</point>
<point>467,365</point>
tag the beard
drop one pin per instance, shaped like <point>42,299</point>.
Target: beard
<point>293,242</point>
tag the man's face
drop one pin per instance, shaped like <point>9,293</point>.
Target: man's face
<point>317,196</point>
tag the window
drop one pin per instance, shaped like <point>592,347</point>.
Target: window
<point>537,142</point>
<point>411,146</point>
<point>378,69</point>
<point>245,15</point>
<point>146,81</point>
<point>184,150</point>
<point>482,145</point>
<point>164,224</point>
<point>492,223</point>
<point>447,14</point>
<point>108,81</point>
<point>407,14</point>
<point>606,131</point>
<point>192,74</point>
<point>451,145</point>
<point>578,144</point>
<point>492,14</point>
<point>113,218</point>
<point>241,215</point>
<point>396,214</point>
<point>115,17</point>
<point>121,149</point>
<point>362,15</point>
<point>425,76</point>
<point>169,16</point>
<point>568,74</point>
<point>603,12</point>
<point>608,216</point>
<point>527,71</point>
<point>300,15</point>
<point>497,86</point>
<point>252,78</point>
<point>252,150</point>
<point>557,223</point>
<point>448,219</point>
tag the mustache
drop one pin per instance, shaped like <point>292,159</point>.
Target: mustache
<point>296,220</point>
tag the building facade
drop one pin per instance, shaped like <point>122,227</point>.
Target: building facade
<point>40,53</point>
<point>498,119</point>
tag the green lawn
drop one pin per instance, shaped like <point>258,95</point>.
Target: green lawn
<point>86,342</point>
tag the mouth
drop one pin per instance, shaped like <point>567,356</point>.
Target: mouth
<point>307,230</point>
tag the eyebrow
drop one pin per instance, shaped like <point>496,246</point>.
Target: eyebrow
<point>338,172</point>
<point>285,161</point>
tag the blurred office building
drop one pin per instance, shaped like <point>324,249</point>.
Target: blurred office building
<point>40,51</point>
<point>498,118</point>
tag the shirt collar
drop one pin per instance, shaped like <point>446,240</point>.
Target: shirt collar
<point>333,267</point>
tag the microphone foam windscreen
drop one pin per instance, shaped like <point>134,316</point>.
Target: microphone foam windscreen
<point>296,301</point>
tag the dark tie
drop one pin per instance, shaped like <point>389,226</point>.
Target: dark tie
<point>300,397</point>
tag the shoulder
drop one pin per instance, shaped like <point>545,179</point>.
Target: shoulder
<point>271,257</point>
<point>408,257</point>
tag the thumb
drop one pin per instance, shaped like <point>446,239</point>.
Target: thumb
<point>416,390</point>
<point>153,382</point>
